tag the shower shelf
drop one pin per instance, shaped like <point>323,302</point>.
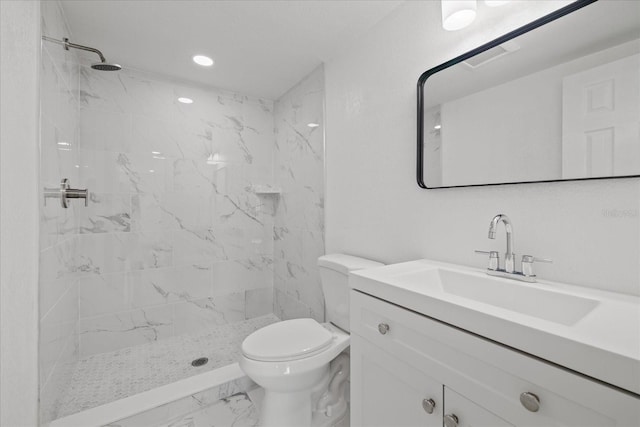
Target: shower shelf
<point>266,190</point>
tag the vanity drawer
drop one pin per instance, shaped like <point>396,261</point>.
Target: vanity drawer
<point>489,374</point>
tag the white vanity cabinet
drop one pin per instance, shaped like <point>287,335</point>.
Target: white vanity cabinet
<point>391,392</point>
<point>401,358</point>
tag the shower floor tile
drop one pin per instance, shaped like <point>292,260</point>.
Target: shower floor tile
<point>106,377</point>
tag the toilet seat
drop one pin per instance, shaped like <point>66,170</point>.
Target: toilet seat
<point>277,374</point>
<point>285,341</point>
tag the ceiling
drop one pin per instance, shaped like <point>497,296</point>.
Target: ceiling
<point>260,48</point>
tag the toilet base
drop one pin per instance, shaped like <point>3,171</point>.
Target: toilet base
<point>332,404</point>
<point>324,405</point>
<point>286,409</point>
<point>278,410</point>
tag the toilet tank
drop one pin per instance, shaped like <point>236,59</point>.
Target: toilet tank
<point>334,274</point>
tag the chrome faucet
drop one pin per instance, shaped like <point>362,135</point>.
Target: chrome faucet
<point>509,263</point>
<point>509,271</point>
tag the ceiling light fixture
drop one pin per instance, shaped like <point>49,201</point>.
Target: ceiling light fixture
<point>313,125</point>
<point>457,14</point>
<point>205,61</point>
<point>66,144</point>
<point>185,100</point>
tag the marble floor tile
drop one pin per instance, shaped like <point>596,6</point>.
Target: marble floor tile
<point>237,410</point>
<point>106,377</point>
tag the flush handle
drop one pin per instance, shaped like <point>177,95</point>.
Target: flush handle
<point>383,328</point>
<point>429,405</point>
<point>530,401</point>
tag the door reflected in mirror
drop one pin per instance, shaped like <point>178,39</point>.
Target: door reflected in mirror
<point>560,101</point>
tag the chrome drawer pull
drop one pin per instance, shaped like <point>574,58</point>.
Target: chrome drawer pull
<point>451,420</point>
<point>530,401</point>
<point>428,405</point>
<point>383,328</point>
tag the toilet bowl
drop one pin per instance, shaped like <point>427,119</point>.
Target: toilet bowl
<point>302,364</point>
<point>290,373</point>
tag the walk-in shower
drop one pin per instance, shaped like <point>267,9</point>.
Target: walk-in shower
<point>103,65</point>
<point>202,223</point>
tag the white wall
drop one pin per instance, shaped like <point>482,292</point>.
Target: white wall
<point>19,64</point>
<point>374,207</point>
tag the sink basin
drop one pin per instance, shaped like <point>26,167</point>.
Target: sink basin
<point>522,298</point>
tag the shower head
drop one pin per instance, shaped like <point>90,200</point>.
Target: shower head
<point>103,65</point>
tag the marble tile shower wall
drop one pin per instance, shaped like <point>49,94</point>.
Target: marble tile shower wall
<point>174,238</point>
<point>58,296</point>
<point>299,219</point>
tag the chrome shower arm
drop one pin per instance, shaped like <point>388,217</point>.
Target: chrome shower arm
<point>67,44</point>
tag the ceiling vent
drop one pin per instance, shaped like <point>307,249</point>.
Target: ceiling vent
<point>491,54</point>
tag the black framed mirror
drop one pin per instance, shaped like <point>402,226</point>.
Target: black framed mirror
<point>557,99</point>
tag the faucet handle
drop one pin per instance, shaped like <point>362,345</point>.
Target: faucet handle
<point>527,264</point>
<point>530,258</point>
<point>494,259</point>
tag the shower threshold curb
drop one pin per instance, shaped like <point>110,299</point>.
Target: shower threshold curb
<point>132,405</point>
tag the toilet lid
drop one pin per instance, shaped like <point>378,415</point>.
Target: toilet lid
<point>287,340</point>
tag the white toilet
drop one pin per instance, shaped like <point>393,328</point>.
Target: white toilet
<point>299,362</point>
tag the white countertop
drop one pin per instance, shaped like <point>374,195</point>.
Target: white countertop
<point>604,344</point>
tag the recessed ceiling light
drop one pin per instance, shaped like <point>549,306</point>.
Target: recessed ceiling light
<point>156,152</point>
<point>185,100</point>
<point>205,61</point>
<point>313,125</point>
<point>66,144</point>
<point>436,127</point>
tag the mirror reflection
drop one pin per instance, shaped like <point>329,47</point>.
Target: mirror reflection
<point>559,102</point>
